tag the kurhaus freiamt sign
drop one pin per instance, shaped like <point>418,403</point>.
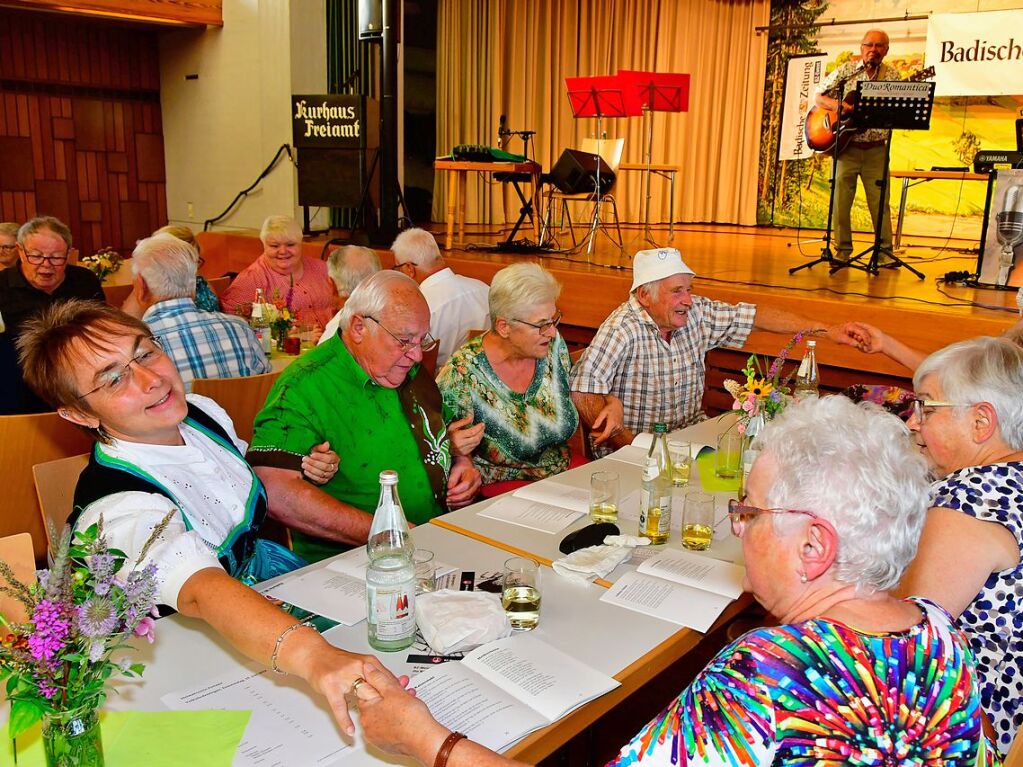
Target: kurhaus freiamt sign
<point>327,121</point>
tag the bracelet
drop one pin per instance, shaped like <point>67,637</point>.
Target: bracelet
<point>280,640</point>
<point>446,747</point>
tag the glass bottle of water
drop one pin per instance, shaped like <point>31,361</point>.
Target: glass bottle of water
<point>390,576</point>
<point>807,378</point>
<point>260,323</point>
<point>655,498</point>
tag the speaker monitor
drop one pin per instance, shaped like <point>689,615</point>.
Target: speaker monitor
<point>371,19</point>
<point>576,173</point>
<point>1019,134</point>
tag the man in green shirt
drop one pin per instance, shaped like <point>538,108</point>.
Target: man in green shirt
<point>364,392</point>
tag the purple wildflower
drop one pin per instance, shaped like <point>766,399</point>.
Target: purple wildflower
<point>51,630</point>
<point>102,567</point>
<point>147,629</point>
<point>96,649</point>
<point>46,689</point>
<point>96,617</point>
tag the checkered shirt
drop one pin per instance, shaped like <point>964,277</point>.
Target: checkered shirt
<point>659,382</point>
<point>205,344</point>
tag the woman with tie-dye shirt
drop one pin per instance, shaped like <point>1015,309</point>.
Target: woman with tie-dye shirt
<point>852,676</point>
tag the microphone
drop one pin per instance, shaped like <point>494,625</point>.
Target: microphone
<point>1009,230</point>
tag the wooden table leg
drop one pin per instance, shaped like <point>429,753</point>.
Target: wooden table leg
<point>452,194</point>
<point>462,177</point>
<point>534,179</point>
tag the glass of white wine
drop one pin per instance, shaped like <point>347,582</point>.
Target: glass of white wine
<point>520,593</point>
<point>698,521</point>
<point>604,489</point>
<point>681,462</point>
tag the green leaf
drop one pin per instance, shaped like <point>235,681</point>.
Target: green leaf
<point>137,668</point>
<point>24,714</point>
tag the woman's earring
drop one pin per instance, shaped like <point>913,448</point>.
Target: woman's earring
<point>802,577</point>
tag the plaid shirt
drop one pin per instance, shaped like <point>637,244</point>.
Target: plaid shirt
<point>659,382</point>
<point>205,344</point>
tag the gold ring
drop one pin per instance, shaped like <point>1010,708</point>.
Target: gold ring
<point>355,686</point>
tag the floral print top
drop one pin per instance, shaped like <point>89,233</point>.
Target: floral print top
<point>526,433</point>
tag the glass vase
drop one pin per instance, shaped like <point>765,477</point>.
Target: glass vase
<point>72,738</point>
<point>280,336</point>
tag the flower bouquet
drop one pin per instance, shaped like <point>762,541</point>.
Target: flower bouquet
<point>57,665</point>
<point>281,317</point>
<point>103,262</point>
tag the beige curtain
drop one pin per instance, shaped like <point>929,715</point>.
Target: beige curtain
<point>511,57</point>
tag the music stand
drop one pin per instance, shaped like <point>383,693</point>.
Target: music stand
<point>648,92</point>
<point>599,97</point>
<point>888,104</point>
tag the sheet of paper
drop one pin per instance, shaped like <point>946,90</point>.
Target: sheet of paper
<point>669,601</point>
<point>530,514</point>
<point>633,453</point>
<point>352,563</point>
<point>696,570</point>
<point>290,726</point>
<point>463,701</point>
<point>699,435</point>
<point>335,595</point>
<point>557,494</point>
<point>544,678</point>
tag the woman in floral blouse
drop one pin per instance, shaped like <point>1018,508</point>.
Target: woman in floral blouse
<point>514,380</point>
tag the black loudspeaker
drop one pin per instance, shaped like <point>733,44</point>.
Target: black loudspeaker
<point>576,173</point>
<point>1019,134</point>
<point>371,19</point>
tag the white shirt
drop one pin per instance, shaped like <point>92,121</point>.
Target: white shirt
<point>211,483</point>
<point>330,330</point>
<point>457,305</point>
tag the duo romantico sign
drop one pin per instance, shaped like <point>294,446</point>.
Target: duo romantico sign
<point>327,122</point>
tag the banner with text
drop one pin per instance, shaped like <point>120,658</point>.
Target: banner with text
<point>976,54</point>
<point>803,75</point>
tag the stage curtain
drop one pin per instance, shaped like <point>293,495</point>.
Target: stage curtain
<point>511,57</point>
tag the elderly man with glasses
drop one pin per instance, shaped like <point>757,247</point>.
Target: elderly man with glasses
<point>41,277</point>
<point>365,392</point>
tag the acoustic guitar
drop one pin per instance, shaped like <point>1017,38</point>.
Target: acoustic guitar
<point>822,125</point>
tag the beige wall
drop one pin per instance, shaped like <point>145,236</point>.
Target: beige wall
<point>222,129</point>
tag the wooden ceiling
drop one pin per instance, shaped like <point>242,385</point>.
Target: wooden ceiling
<point>188,13</point>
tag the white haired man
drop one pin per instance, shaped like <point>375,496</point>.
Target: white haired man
<point>364,391</point>
<point>347,267</point>
<point>457,304</point>
<point>201,344</point>
<point>649,352</point>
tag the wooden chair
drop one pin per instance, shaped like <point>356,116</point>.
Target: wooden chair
<point>16,551</point>
<point>241,397</point>
<point>116,294</point>
<point>26,440</point>
<point>219,284</point>
<point>610,151</point>
<point>1015,756</point>
<point>55,490</point>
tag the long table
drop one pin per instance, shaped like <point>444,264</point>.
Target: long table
<point>911,178</point>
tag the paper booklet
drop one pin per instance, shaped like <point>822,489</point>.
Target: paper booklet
<point>504,690</point>
<point>699,435</point>
<point>680,587</point>
<point>556,494</point>
<point>530,514</point>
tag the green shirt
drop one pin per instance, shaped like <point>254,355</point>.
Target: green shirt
<point>326,396</point>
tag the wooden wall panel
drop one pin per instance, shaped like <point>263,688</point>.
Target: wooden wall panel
<point>80,127</point>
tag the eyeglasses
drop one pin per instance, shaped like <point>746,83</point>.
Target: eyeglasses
<point>427,343</point>
<point>740,514</point>
<point>544,326</point>
<point>53,260</point>
<point>8,247</point>
<point>117,379</point>
<point>920,407</point>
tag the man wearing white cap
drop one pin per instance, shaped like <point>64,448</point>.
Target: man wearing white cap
<point>649,353</point>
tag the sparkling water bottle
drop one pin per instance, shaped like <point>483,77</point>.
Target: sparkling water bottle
<point>391,575</point>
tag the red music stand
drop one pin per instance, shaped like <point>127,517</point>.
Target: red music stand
<point>647,92</point>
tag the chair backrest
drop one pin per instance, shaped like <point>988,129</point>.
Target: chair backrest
<point>609,149</point>
<point>116,294</point>
<point>219,284</point>
<point>26,440</point>
<point>55,489</point>
<point>241,397</point>
<point>16,551</point>
<point>1015,756</point>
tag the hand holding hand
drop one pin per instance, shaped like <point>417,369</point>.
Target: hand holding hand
<point>463,482</point>
<point>395,720</point>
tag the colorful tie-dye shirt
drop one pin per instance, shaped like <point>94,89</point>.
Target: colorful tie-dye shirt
<point>821,694</point>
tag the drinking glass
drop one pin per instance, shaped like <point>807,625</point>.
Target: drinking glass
<point>604,489</point>
<point>681,454</point>
<point>426,571</point>
<point>698,521</point>
<point>520,593</point>
<point>728,459</point>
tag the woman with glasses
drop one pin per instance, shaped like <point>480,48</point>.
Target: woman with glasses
<point>8,244</point>
<point>968,422</point>
<point>513,381</point>
<point>851,675</point>
<point>164,460</point>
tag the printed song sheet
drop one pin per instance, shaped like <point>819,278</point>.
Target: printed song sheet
<point>557,494</point>
<point>530,514</point>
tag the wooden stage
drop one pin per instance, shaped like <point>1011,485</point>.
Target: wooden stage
<point>733,264</point>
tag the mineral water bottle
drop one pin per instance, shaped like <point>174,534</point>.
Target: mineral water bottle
<point>391,575</point>
<point>655,498</point>
<point>259,322</point>
<point>807,378</point>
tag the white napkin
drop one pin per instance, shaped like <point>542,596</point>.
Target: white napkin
<point>597,561</point>
<point>457,621</point>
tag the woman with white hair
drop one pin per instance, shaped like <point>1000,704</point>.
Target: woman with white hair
<point>513,379</point>
<point>852,675</point>
<point>968,421</point>
<point>285,275</point>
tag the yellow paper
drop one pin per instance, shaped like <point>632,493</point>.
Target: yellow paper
<point>153,738</point>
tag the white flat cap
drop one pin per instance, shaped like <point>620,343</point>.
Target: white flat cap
<point>656,264</point>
